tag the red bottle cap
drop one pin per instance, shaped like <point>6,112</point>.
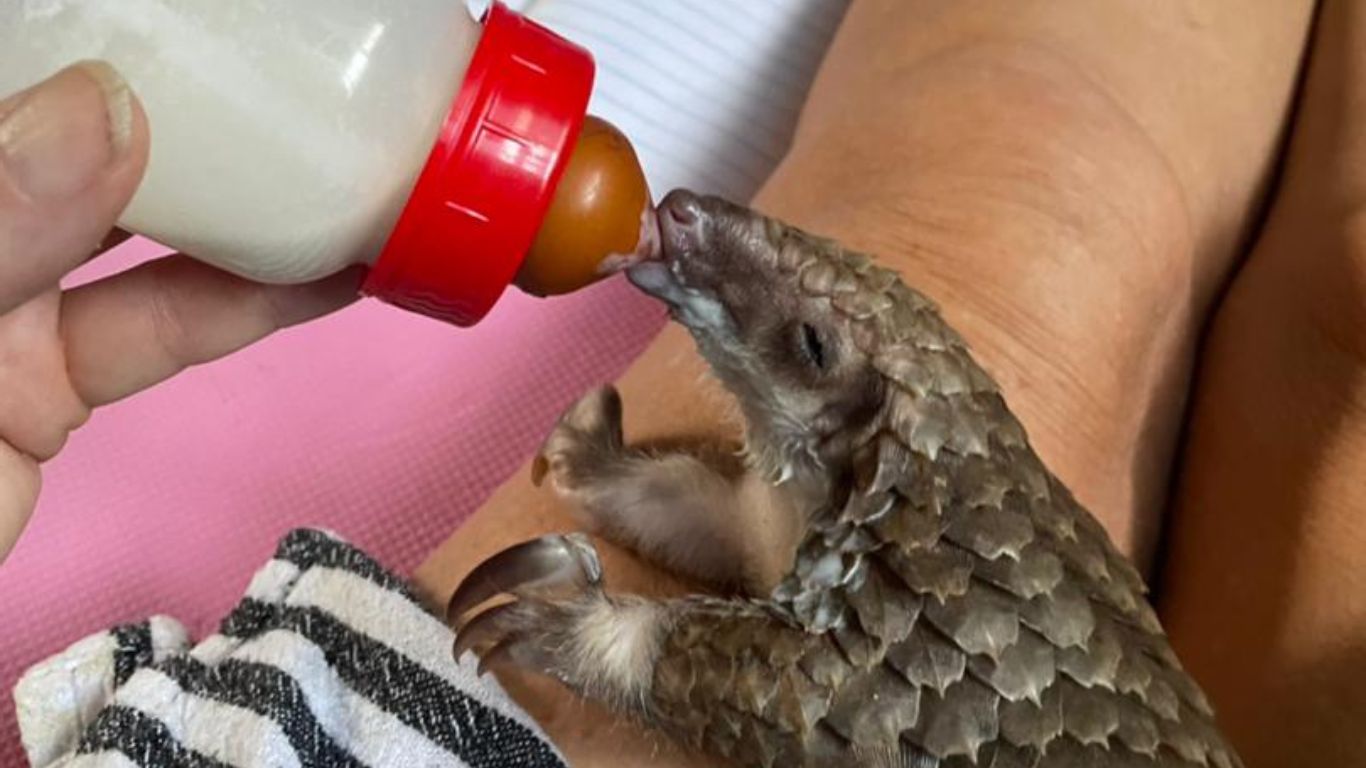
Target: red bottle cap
<point>488,182</point>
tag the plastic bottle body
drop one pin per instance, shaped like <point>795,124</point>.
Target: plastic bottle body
<point>286,136</point>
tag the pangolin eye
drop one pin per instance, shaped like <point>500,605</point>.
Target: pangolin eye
<point>812,348</point>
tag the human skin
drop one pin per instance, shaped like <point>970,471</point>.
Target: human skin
<point>1056,179</point>
<point>1265,591</point>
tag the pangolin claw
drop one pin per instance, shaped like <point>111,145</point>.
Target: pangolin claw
<point>545,578</point>
<point>482,632</point>
<point>539,566</point>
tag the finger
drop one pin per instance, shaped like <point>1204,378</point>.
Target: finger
<point>38,408</point>
<point>127,332</point>
<point>19,481</point>
<point>72,151</point>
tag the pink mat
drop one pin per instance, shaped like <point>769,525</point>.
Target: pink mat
<point>386,427</point>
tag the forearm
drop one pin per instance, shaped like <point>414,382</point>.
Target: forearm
<point>1265,590</point>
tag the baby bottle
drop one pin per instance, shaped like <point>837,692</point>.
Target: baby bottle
<point>289,140</point>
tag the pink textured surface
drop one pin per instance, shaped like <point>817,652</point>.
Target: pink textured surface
<point>386,427</point>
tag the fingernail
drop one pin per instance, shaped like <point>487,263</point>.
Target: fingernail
<point>61,136</point>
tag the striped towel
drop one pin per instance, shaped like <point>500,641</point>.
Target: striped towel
<point>328,660</point>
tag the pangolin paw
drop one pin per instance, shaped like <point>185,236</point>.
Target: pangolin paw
<point>587,437</point>
<point>554,581</point>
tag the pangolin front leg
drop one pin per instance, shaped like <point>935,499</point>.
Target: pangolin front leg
<point>560,622</point>
<point>685,510</point>
<point>730,676</point>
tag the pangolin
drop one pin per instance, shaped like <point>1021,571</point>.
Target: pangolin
<point>944,600</point>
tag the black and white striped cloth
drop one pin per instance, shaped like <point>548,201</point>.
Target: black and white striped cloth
<point>328,660</point>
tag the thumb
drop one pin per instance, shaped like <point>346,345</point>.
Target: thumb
<point>72,151</point>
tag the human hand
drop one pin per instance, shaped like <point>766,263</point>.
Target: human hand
<point>72,151</point>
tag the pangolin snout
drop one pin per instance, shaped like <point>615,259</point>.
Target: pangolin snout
<point>684,207</point>
<point>680,223</point>
<point>685,277</point>
<point>679,219</point>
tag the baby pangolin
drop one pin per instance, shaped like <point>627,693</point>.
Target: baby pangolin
<point>920,590</point>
